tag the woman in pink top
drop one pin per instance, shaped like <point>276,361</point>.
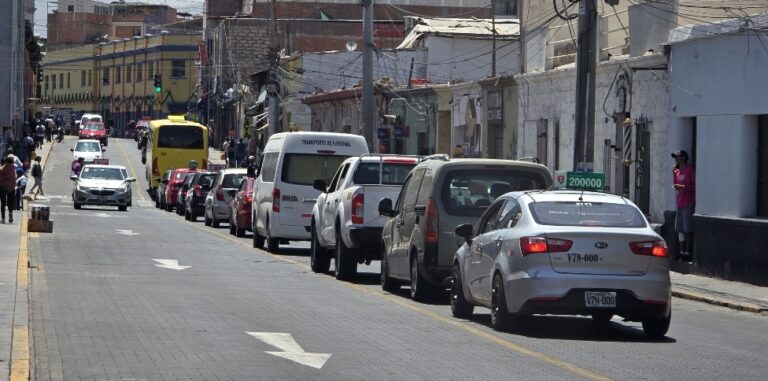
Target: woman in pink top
<point>7,188</point>
<point>684,182</point>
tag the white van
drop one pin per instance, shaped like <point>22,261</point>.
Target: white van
<point>283,193</point>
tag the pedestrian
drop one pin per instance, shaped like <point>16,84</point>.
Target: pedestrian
<point>77,166</point>
<point>7,188</point>
<point>240,152</point>
<point>21,188</point>
<point>16,161</point>
<point>39,135</point>
<point>231,157</point>
<point>251,166</point>
<point>684,182</point>
<point>37,174</point>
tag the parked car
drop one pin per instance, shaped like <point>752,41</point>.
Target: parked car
<point>345,223</point>
<point>563,252</point>
<point>283,193</point>
<point>160,190</point>
<point>101,185</point>
<point>439,194</point>
<point>88,149</point>
<point>174,183</point>
<point>218,198</point>
<point>240,208</point>
<point>194,203</point>
<point>182,193</point>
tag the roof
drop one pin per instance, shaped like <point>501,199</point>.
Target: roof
<point>756,23</point>
<point>477,28</point>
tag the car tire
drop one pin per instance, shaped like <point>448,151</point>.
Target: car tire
<point>258,239</point>
<point>346,263</point>
<point>179,210</point>
<point>77,206</point>
<point>168,207</point>
<point>187,215</point>
<point>130,203</point>
<point>231,228</point>
<point>501,319</point>
<point>387,282</point>
<point>157,202</point>
<point>273,244</point>
<point>420,290</point>
<point>240,233</point>
<point>320,261</point>
<point>460,307</point>
<point>207,220</point>
<point>656,327</point>
<point>122,208</point>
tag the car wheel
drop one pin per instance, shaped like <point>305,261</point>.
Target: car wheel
<point>273,244</point>
<point>231,228</point>
<point>207,220</point>
<point>179,210</point>
<point>320,261</point>
<point>157,202</point>
<point>602,318</point>
<point>656,327</point>
<point>122,208</point>
<point>239,232</point>
<point>130,203</point>
<point>500,316</point>
<point>460,307</point>
<point>346,263</point>
<point>387,283</point>
<point>78,206</point>
<point>214,222</point>
<point>258,239</point>
<point>420,290</point>
<point>168,206</point>
<point>187,216</point>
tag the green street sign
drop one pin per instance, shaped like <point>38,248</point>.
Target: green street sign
<point>593,181</point>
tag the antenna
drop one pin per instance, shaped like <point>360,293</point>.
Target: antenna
<point>351,46</point>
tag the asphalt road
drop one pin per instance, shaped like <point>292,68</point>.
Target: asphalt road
<point>101,309</point>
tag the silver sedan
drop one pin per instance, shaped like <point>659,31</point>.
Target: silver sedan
<point>563,252</point>
<point>101,185</point>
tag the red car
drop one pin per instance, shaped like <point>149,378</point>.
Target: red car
<point>94,130</point>
<point>240,208</point>
<point>173,184</point>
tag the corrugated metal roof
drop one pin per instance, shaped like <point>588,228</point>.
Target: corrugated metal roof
<point>505,28</point>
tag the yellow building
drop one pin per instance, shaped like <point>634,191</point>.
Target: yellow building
<point>116,79</point>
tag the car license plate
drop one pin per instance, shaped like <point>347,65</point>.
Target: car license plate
<point>600,299</point>
<point>102,199</point>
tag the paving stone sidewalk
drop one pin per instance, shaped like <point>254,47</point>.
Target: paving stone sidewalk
<point>735,295</point>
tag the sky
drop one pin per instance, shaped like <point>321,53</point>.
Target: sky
<point>46,6</point>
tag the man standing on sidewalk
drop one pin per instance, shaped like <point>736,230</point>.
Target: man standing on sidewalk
<point>684,182</point>
<point>37,174</point>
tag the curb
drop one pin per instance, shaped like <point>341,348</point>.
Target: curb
<point>701,297</point>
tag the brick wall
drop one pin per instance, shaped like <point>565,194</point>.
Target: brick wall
<point>73,29</point>
<point>223,8</point>
<point>311,10</point>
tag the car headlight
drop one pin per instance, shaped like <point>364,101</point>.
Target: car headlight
<point>82,188</point>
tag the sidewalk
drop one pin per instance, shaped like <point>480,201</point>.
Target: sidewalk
<point>734,295</point>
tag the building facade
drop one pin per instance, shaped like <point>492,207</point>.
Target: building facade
<point>12,59</point>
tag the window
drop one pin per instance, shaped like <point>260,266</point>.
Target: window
<point>101,173</point>
<point>425,191</point>
<point>82,146</point>
<point>506,7</point>
<point>69,80</point>
<point>488,222</point>
<point>105,76</point>
<point>137,31</point>
<point>413,190</point>
<point>391,174</point>
<point>46,83</point>
<point>303,169</point>
<point>335,180</point>
<point>182,137</point>
<point>118,74</point>
<point>70,8</point>
<point>509,215</point>
<point>232,180</point>
<point>53,82</point>
<point>467,192</point>
<point>178,69</point>
<point>89,77</point>
<point>139,72</point>
<point>82,78</point>
<point>269,167</point>
<point>587,214</point>
<point>61,80</point>
<point>128,69</point>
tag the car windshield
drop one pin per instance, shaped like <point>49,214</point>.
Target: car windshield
<point>303,169</point>
<point>468,192</point>
<point>391,174</point>
<point>207,180</point>
<point>101,173</point>
<point>574,213</point>
<point>232,180</point>
<point>88,147</point>
<point>94,127</point>
<point>183,137</point>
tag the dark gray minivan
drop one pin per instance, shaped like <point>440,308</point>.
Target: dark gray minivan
<point>418,240</point>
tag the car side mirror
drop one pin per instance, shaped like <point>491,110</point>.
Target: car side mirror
<point>320,185</point>
<point>385,208</point>
<point>465,231</point>
<point>73,177</point>
<point>71,150</point>
<point>165,182</point>
<point>103,150</point>
<point>130,180</point>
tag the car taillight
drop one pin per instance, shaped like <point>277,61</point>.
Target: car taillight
<point>198,191</point>
<point>358,202</point>
<point>219,193</point>
<point>650,248</point>
<point>537,245</point>
<point>155,170</point>
<point>249,198</point>
<point>276,200</point>
<point>432,222</point>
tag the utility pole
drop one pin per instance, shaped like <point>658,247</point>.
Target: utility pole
<point>368,72</point>
<point>585,84</point>
<point>273,87</point>
<point>493,46</point>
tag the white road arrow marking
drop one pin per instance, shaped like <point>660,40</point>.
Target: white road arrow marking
<point>172,264</point>
<point>126,232</point>
<point>291,350</point>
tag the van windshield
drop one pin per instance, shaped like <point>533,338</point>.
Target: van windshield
<point>183,137</point>
<point>468,192</point>
<point>304,169</point>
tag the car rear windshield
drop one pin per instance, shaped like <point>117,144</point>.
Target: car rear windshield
<point>468,192</point>
<point>101,173</point>
<point>184,137</point>
<point>94,127</point>
<point>304,169</point>
<point>87,147</point>
<point>391,174</point>
<point>232,180</point>
<point>587,214</point>
<point>207,180</point>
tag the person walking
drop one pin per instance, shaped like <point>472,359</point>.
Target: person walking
<point>240,152</point>
<point>37,174</point>
<point>77,166</point>
<point>40,135</point>
<point>684,183</point>
<point>7,188</point>
<point>21,188</point>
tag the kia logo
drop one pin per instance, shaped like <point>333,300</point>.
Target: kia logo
<point>601,245</point>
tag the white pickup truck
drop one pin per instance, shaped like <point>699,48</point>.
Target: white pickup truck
<point>346,224</point>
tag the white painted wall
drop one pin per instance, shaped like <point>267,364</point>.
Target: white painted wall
<point>726,184</point>
<point>461,59</point>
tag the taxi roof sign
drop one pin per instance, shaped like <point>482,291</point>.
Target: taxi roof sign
<point>176,118</point>
<point>590,181</point>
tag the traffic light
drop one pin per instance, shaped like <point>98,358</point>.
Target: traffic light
<point>158,83</point>
<point>39,75</point>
